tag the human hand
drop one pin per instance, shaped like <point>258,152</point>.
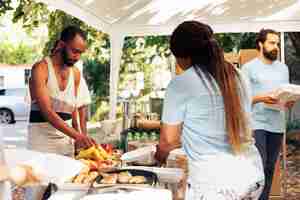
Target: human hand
<point>289,104</point>
<point>91,139</point>
<point>268,99</point>
<point>83,141</point>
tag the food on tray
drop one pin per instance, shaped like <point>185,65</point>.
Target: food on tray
<point>94,153</point>
<point>85,177</point>
<point>18,175</point>
<point>91,177</point>
<point>109,178</point>
<point>124,177</point>
<point>79,178</point>
<point>137,180</point>
<point>97,158</point>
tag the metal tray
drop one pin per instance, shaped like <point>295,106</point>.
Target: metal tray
<point>151,178</point>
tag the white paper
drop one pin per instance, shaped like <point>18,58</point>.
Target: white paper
<point>139,154</point>
<point>284,94</point>
<point>287,92</point>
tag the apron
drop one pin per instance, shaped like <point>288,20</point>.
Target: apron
<point>226,177</point>
<point>44,137</point>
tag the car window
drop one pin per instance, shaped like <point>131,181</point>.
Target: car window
<point>13,92</point>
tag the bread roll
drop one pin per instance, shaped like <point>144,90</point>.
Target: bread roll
<point>18,175</point>
<point>137,180</point>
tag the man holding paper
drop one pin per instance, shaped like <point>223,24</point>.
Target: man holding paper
<point>266,74</point>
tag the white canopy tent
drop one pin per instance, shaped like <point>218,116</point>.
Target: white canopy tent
<point>120,18</point>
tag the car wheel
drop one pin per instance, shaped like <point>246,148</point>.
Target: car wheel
<point>6,116</point>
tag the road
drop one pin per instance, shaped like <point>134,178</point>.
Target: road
<point>15,135</point>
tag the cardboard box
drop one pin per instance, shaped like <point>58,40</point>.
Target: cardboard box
<point>231,57</point>
<point>245,55</point>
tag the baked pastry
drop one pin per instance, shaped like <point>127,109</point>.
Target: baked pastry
<point>91,177</point>
<point>124,177</point>
<point>109,178</point>
<point>137,180</point>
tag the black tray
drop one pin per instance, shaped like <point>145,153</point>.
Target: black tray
<point>151,178</point>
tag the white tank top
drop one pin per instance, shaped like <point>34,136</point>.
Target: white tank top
<point>61,101</point>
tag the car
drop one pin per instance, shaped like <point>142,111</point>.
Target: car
<point>13,105</point>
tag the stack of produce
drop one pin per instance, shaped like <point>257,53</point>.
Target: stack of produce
<point>96,157</point>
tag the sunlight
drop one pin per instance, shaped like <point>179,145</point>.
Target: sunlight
<point>87,2</point>
<point>283,14</point>
<point>164,10</point>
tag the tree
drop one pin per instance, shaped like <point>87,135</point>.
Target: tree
<point>99,84</point>
<point>227,41</point>
<point>19,54</point>
<point>294,37</point>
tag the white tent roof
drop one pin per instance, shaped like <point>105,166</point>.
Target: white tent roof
<point>141,17</point>
<point>121,18</point>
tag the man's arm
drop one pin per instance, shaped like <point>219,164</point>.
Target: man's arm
<point>80,114</point>
<point>83,100</point>
<point>39,81</point>
<point>82,119</point>
<point>75,124</point>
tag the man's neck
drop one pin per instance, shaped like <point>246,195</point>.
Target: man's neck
<point>264,59</point>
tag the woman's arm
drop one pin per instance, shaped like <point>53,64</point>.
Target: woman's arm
<point>168,141</point>
<point>265,99</point>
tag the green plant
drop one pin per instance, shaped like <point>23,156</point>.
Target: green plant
<point>17,54</point>
<point>102,111</point>
<point>96,73</point>
<point>292,125</point>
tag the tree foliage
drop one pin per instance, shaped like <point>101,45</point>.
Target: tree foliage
<point>236,41</point>
<point>101,70</point>
<point>5,6</point>
<point>19,54</point>
<point>33,14</point>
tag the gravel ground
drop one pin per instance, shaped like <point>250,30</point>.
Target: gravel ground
<point>293,172</point>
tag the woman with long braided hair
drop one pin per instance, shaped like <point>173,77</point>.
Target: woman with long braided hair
<point>207,112</point>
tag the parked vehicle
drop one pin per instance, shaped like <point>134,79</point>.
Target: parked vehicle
<point>13,105</point>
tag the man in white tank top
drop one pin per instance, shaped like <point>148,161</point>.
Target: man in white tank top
<point>55,93</point>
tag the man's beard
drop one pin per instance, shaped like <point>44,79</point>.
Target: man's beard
<point>271,55</point>
<point>68,62</point>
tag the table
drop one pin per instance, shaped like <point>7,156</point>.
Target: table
<point>146,194</point>
<point>68,194</point>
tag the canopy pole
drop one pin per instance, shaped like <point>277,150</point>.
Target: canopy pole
<point>282,52</point>
<point>116,43</point>
<point>284,146</point>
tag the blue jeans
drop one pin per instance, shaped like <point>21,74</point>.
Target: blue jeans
<point>268,144</point>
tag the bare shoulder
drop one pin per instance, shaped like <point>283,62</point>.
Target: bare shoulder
<point>40,66</point>
<point>40,70</point>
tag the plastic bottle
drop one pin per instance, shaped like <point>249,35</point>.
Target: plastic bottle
<point>144,137</point>
<point>136,136</point>
<point>153,136</point>
<point>130,136</point>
